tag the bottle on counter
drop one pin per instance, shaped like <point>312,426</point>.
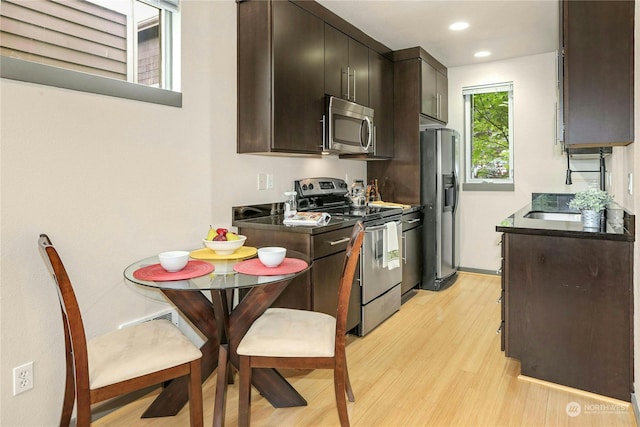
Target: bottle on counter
<point>290,204</point>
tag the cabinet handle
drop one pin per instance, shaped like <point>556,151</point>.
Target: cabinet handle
<point>342,86</point>
<point>375,139</point>
<point>348,84</point>
<point>354,86</point>
<point>337,242</point>
<point>414,220</point>
<point>499,331</point>
<point>404,247</point>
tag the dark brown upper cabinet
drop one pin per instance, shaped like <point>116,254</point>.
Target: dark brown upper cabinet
<point>280,83</point>
<point>346,67</point>
<point>434,92</point>
<point>397,178</point>
<point>597,72</point>
<point>381,100</point>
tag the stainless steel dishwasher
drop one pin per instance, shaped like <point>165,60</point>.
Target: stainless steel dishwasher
<point>412,251</point>
<point>379,282</point>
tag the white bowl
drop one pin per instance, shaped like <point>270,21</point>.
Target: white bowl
<point>173,261</point>
<point>272,256</point>
<point>225,247</point>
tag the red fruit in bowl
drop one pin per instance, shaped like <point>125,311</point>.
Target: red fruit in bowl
<point>221,231</point>
<point>220,237</point>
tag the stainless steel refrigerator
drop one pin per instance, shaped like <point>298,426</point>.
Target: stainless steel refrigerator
<point>439,194</point>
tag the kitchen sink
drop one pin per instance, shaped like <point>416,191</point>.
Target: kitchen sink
<point>554,216</point>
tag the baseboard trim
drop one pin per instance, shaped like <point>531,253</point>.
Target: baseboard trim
<point>479,271</point>
<point>608,399</point>
<point>634,404</point>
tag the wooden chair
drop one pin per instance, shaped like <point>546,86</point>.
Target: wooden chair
<point>121,361</point>
<point>300,339</point>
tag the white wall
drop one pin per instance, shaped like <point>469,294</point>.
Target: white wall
<point>112,181</point>
<point>539,165</point>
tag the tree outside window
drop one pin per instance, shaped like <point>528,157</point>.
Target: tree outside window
<point>488,135</point>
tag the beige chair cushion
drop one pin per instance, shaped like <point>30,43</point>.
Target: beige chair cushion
<point>284,332</point>
<point>137,350</point>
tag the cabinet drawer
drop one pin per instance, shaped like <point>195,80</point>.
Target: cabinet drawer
<point>330,243</point>
<point>411,220</point>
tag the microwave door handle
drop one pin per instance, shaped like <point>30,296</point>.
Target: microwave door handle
<point>369,125</point>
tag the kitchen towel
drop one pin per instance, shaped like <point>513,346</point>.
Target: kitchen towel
<point>392,253</point>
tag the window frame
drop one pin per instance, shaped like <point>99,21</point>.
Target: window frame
<point>33,72</point>
<point>483,184</point>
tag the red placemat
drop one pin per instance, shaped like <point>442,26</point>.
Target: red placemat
<point>255,268</point>
<point>156,273</point>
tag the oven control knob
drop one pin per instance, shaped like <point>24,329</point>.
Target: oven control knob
<point>310,186</point>
<point>304,187</point>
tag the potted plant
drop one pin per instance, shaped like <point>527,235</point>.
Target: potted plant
<point>590,203</point>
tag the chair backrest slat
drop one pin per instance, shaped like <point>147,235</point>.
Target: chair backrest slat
<point>72,318</point>
<point>346,280</point>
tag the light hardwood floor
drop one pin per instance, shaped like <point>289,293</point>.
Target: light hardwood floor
<point>437,362</point>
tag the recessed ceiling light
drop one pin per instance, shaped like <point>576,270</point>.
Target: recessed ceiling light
<point>457,26</point>
<point>482,54</point>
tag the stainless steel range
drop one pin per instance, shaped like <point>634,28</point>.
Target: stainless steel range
<point>379,276</point>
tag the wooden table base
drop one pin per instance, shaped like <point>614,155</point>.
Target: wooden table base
<point>221,328</point>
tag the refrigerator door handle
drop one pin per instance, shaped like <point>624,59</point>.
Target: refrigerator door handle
<point>456,188</point>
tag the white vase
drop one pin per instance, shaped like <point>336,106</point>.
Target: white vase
<point>590,219</point>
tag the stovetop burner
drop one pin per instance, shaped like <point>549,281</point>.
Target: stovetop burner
<point>331,195</point>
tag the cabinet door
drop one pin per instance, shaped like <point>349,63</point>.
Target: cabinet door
<point>326,280</point>
<point>381,100</point>
<point>428,92</point>
<point>298,79</point>
<point>598,72</point>
<point>346,67</point>
<point>359,70</point>
<point>336,62</point>
<point>570,311</point>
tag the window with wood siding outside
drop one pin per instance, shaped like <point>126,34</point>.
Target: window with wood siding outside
<point>116,39</point>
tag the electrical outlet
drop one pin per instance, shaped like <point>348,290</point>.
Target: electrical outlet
<point>262,181</point>
<point>269,181</point>
<point>22,378</point>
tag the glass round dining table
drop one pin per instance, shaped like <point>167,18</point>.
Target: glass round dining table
<point>222,322</point>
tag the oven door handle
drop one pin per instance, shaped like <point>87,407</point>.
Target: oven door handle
<point>379,227</point>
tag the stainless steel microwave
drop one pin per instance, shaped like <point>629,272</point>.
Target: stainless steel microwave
<point>348,127</point>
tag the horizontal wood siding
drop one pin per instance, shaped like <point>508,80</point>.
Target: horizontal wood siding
<point>72,34</point>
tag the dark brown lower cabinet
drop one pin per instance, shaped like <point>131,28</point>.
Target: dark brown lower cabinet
<point>317,289</point>
<point>569,311</point>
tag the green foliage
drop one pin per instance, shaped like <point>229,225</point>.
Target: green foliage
<point>592,199</point>
<point>490,135</point>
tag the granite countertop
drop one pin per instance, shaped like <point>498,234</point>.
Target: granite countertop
<point>617,223</point>
<point>270,216</point>
<point>274,222</point>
